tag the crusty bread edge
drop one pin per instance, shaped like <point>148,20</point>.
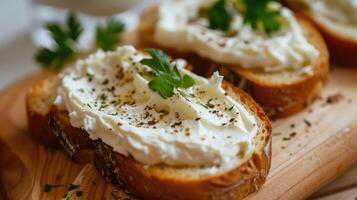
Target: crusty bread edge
<point>343,50</point>
<point>37,122</point>
<point>278,100</point>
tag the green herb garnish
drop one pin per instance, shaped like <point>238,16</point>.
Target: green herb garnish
<point>259,15</point>
<point>48,187</point>
<point>219,16</point>
<point>64,38</point>
<point>107,36</point>
<point>166,75</point>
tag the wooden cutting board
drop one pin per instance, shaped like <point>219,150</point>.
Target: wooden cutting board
<point>310,148</point>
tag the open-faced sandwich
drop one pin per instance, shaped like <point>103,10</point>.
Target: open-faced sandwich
<point>337,21</point>
<point>155,128</point>
<point>258,45</point>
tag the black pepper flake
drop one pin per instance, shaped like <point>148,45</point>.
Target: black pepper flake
<point>72,187</point>
<point>79,193</point>
<point>198,118</point>
<point>48,187</point>
<point>176,124</point>
<point>231,108</point>
<point>286,138</point>
<point>308,123</point>
<point>292,134</point>
<point>292,125</point>
<point>105,82</point>
<point>334,98</point>
<point>209,104</point>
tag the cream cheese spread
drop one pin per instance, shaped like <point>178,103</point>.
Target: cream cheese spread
<point>180,26</point>
<point>107,95</point>
<point>339,16</point>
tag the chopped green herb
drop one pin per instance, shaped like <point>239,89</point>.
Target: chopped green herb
<point>259,15</point>
<point>107,36</point>
<point>203,105</point>
<point>166,75</point>
<point>48,187</point>
<point>219,16</point>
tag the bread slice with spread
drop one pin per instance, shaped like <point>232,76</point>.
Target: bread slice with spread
<point>337,21</point>
<point>161,131</point>
<point>283,70</point>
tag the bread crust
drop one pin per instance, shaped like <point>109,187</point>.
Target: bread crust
<point>343,50</point>
<point>278,100</point>
<point>37,118</point>
<point>151,182</point>
<point>74,141</point>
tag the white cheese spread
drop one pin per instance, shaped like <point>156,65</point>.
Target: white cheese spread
<point>180,26</point>
<point>338,15</point>
<point>107,95</point>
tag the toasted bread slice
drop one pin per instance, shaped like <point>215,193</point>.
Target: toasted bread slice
<point>39,99</point>
<point>42,119</point>
<point>343,49</point>
<point>280,94</point>
<point>166,182</point>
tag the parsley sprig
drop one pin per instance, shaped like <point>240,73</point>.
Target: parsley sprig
<point>64,38</point>
<point>256,13</point>
<point>259,15</point>
<point>107,35</point>
<point>219,16</point>
<point>166,75</point>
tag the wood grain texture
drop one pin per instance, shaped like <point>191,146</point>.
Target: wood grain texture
<point>309,149</point>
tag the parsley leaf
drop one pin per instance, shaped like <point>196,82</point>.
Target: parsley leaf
<point>64,38</point>
<point>219,16</point>
<point>74,27</point>
<point>258,14</point>
<point>107,36</point>
<point>167,77</point>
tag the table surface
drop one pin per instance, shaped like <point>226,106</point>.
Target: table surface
<point>16,52</point>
